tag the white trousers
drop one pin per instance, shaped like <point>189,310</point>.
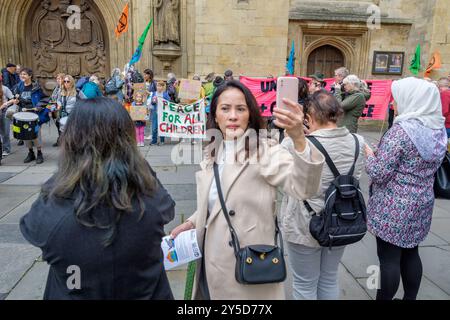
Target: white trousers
<point>314,271</point>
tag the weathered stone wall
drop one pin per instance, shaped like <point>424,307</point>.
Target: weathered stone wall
<point>253,37</point>
<point>404,24</point>
<point>249,37</point>
<point>440,39</point>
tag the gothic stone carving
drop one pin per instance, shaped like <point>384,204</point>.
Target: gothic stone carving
<point>57,49</point>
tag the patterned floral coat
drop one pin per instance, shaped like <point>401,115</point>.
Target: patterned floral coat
<point>402,198</point>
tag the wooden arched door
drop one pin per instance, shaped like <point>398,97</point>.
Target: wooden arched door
<point>325,59</point>
<point>55,48</point>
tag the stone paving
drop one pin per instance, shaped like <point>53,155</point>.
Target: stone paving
<point>23,273</point>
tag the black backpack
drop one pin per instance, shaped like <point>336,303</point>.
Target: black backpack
<point>137,77</point>
<point>110,86</point>
<point>343,220</point>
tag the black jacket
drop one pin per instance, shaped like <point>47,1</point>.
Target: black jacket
<point>131,268</point>
<point>10,80</point>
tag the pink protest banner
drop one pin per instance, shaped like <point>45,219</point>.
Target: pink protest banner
<point>265,92</point>
<point>381,95</point>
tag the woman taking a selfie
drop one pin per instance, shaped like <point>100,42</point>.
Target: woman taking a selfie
<point>102,214</point>
<point>250,169</point>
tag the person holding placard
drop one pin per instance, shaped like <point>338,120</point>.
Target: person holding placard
<point>163,94</point>
<point>140,115</point>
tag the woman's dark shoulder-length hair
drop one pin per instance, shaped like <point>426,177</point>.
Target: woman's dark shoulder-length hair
<point>100,165</point>
<point>256,121</point>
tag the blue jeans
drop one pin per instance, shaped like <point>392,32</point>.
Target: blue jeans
<point>448,133</point>
<point>155,128</point>
<point>5,125</point>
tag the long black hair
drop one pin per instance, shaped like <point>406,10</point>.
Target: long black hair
<point>100,165</point>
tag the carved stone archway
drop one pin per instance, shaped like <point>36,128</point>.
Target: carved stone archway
<point>351,38</point>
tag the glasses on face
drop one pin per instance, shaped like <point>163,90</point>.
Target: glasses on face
<point>66,81</point>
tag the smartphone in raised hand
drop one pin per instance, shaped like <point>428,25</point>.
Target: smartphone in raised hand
<point>287,87</point>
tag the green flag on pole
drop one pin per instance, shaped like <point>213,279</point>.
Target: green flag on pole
<point>415,63</point>
<point>138,53</point>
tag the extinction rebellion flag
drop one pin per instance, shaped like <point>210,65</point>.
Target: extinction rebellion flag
<point>122,26</point>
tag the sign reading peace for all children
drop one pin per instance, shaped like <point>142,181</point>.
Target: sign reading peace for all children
<point>181,121</point>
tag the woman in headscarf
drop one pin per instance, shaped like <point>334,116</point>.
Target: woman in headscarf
<point>402,176</point>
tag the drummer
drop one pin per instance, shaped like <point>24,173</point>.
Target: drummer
<point>28,93</point>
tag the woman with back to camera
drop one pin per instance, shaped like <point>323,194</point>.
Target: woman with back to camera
<point>103,211</point>
<point>251,169</point>
<point>315,268</point>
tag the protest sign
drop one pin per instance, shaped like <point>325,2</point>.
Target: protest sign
<point>140,88</point>
<point>181,121</point>
<point>189,90</point>
<point>139,113</point>
<point>265,92</point>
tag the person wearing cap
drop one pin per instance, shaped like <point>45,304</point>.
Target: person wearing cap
<point>10,76</point>
<point>317,82</point>
<point>228,75</point>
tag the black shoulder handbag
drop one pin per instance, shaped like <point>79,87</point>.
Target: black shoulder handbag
<point>255,264</point>
<point>442,179</point>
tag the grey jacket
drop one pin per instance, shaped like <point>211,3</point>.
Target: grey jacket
<point>294,217</point>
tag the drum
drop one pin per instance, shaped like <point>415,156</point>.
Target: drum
<point>25,126</point>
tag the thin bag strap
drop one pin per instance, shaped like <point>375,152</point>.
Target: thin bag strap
<point>330,163</point>
<point>234,237</point>
<point>352,170</point>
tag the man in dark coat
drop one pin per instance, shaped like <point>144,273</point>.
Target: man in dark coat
<point>10,76</point>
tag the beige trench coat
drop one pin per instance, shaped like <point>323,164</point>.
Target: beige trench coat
<point>250,190</point>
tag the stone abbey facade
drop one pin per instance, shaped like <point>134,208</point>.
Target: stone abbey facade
<point>252,37</point>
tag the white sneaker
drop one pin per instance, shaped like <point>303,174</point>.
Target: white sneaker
<point>148,138</point>
<point>5,154</point>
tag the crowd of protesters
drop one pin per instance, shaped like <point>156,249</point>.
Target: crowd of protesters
<point>103,181</point>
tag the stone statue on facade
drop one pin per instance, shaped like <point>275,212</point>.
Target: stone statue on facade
<point>167,16</point>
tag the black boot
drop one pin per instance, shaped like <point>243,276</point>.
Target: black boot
<point>40,158</point>
<point>30,157</point>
